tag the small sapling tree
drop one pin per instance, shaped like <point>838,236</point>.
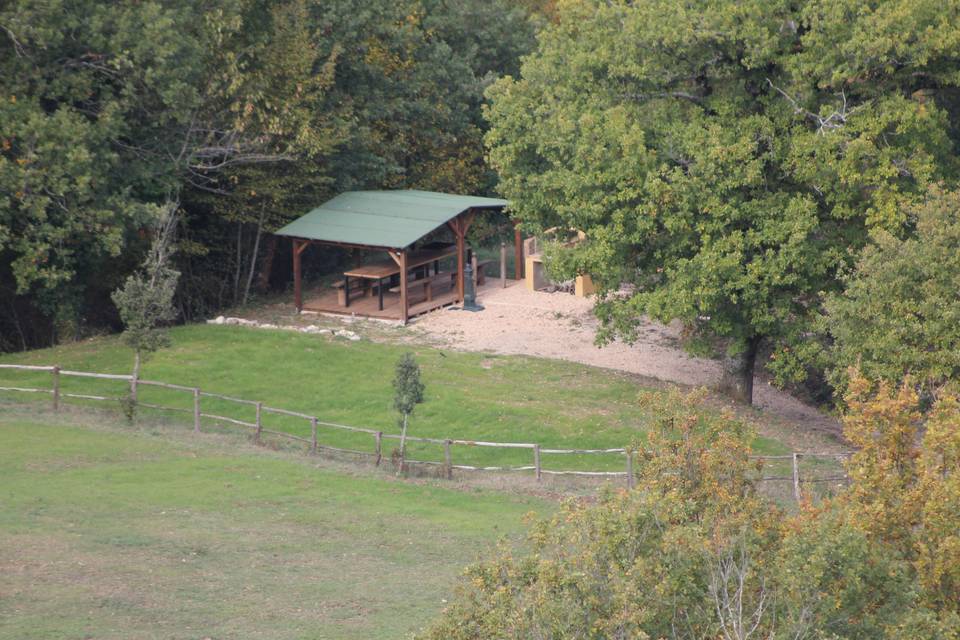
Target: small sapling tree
<point>145,301</point>
<point>408,393</point>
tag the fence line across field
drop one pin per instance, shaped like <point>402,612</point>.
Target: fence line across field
<point>314,444</point>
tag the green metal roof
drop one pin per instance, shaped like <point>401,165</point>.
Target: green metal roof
<point>393,219</point>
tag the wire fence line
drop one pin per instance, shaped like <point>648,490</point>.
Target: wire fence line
<point>790,461</point>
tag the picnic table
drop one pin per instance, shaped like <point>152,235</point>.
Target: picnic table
<point>380,271</point>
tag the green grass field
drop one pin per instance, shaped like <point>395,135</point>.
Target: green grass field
<point>469,396</point>
<point>113,532</point>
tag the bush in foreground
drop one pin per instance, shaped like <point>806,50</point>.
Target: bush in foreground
<point>695,552</point>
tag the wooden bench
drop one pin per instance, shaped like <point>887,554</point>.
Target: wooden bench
<point>426,283</point>
<point>356,284</point>
<point>481,265</point>
<point>481,276</point>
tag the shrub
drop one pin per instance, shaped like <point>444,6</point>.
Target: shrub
<point>694,552</point>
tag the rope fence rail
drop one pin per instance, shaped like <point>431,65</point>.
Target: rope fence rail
<point>258,429</point>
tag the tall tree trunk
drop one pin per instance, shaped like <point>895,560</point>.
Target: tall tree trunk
<point>403,443</point>
<point>266,269</point>
<point>253,254</point>
<point>236,274</point>
<point>135,376</point>
<point>16,324</point>
<point>737,380</point>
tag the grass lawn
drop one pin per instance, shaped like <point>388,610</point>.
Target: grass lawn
<point>110,532</point>
<point>468,395</point>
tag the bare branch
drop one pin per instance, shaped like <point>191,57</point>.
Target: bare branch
<point>17,46</point>
<point>204,185</point>
<point>250,158</point>
<point>665,94</point>
<point>731,592</point>
<point>162,245</point>
<point>186,139</point>
<point>833,121</point>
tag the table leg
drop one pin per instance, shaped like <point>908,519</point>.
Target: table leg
<point>380,292</point>
<point>346,291</point>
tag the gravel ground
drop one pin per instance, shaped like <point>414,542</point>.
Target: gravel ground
<point>559,325</point>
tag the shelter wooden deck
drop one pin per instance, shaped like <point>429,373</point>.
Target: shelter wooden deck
<point>324,300</point>
<point>393,222</point>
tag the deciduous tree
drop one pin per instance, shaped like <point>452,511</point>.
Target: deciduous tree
<point>145,301</point>
<point>408,393</point>
<point>695,552</point>
<point>899,312</point>
<point>725,159</point>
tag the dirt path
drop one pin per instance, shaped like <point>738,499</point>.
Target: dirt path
<point>559,325</point>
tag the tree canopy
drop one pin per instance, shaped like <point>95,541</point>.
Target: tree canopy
<point>898,315</point>
<point>726,159</point>
<point>236,108</point>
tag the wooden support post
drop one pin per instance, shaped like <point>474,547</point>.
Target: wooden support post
<point>460,259</point>
<point>313,436</point>
<point>256,434</point>
<point>796,477</point>
<point>297,275</point>
<point>473,272</point>
<point>56,388</point>
<point>447,460</point>
<point>503,265</point>
<point>404,302</point>
<point>517,252</point>
<point>536,461</point>
<point>196,410</point>
<point>379,438</point>
<point>630,479</point>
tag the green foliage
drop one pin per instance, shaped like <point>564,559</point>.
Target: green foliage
<point>89,90</point>
<point>899,312</point>
<point>724,159</point>
<point>648,563</point>
<point>108,109</point>
<point>407,386</point>
<point>837,582</point>
<point>693,552</point>
<point>145,302</point>
<point>252,111</point>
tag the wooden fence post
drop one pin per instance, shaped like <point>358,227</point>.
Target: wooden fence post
<point>447,460</point>
<point>256,434</point>
<point>630,479</point>
<point>503,265</point>
<point>56,387</point>
<point>313,436</point>
<point>536,460</point>
<point>379,438</point>
<point>196,410</point>
<point>796,477</point>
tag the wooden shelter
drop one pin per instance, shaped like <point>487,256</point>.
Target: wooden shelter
<point>391,222</point>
